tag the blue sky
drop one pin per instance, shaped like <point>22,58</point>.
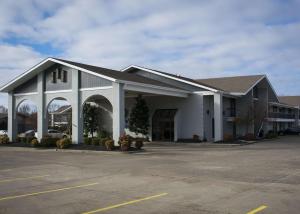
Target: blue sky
<point>198,39</point>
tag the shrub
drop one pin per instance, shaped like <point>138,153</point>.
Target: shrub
<point>63,143</point>
<point>228,138</point>
<point>48,141</point>
<point>109,144</point>
<point>87,141</point>
<point>103,135</point>
<point>4,139</point>
<point>29,139</point>
<point>249,137</point>
<point>95,141</point>
<point>138,144</point>
<point>125,142</point>
<point>34,142</point>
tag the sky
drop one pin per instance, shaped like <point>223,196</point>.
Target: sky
<point>193,38</point>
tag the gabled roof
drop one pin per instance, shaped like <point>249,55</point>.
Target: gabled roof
<point>236,84</point>
<point>112,75</point>
<point>173,76</point>
<point>290,100</point>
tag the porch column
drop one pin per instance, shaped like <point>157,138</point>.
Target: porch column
<point>218,116</point>
<point>42,122</point>
<point>77,122</point>
<point>118,111</point>
<point>12,118</point>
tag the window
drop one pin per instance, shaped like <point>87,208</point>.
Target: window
<point>59,73</point>
<point>65,76</point>
<point>54,80</point>
<point>255,92</point>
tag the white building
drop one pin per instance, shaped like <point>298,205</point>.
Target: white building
<point>180,107</point>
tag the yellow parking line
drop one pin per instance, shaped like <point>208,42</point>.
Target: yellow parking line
<point>26,178</point>
<point>47,191</point>
<point>258,209</point>
<point>125,203</point>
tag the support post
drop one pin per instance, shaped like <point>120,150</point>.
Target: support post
<point>77,120</point>
<point>12,118</point>
<point>118,111</point>
<point>42,122</point>
<point>218,116</point>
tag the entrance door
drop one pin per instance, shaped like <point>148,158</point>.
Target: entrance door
<point>163,125</point>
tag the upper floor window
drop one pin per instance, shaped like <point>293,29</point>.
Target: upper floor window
<point>54,78</point>
<point>255,92</point>
<point>65,76</point>
<point>59,74</point>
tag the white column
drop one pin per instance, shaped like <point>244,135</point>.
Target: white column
<point>42,122</point>
<point>118,111</point>
<point>218,116</point>
<point>77,121</point>
<point>12,118</point>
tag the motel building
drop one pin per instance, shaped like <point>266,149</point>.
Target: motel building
<point>180,107</point>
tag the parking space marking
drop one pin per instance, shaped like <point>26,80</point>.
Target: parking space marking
<point>46,191</point>
<point>258,209</point>
<point>125,203</point>
<point>25,178</point>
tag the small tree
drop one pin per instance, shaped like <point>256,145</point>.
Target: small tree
<point>91,122</point>
<point>139,117</point>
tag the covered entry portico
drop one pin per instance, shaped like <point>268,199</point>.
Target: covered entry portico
<point>42,85</point>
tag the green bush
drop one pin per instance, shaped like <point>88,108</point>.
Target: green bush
<point>48,141</point>
<point>103,135</point>
<point>109,144</point>
<point>63,143</point>
<point>34,142</point>
<point>138,144</point>
<point>87,141</point>
<point>4,139</point>
<point>95,141</point>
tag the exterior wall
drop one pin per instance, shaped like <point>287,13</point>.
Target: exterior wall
<point>244,109</point>
<point>260,109</point>
<point>167,80</point>
<point>90,81</point>
<point>49,86</point>
<point>27,87</point>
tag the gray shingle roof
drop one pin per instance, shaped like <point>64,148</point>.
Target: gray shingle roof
<point>237,84</point>
<point>290,100</point>
<point>118,74</point>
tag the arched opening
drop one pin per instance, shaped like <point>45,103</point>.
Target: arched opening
<point>59,114</point>
<point>26,115</point>
<point>97,117</point>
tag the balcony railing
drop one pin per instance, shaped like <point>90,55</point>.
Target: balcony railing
<point>281,115</point>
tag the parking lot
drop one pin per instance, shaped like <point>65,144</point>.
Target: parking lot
<point>262,177</point>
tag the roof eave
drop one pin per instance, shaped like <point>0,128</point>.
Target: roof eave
<point>170,77</point>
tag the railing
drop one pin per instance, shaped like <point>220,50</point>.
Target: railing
<point>281,115</point>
